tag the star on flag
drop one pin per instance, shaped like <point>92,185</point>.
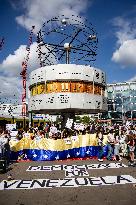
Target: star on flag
<point>45,156</point>
<point>78,153</point>
<point>87,152</point>
<point>68,156</point>
<point>34,155</point>
<point>57,157</point>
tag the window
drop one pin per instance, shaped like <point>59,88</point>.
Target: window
<point>73,87</point>
<point>49,87</point>
<point>66,86</point>
<point>34,90</point>
<point>89,88</point>
<point>40,89</point>
<point>97,90</point>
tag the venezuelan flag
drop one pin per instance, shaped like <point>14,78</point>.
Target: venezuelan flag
<point>45,149</point>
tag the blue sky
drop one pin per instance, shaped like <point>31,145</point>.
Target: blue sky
<point>114,21</point>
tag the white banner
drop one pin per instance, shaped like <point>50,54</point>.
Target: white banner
<point>75,167</point>
<point>66,182</point>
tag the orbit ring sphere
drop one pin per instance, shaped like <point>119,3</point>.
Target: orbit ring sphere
<point>67,40</point>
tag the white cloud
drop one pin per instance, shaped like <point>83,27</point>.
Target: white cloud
<point>10,90</point>
<point>11,66</point>
<point>10,69</point>
<point>132,79</point>
<point>126,30</point>
<point>39,11</point>
<point>126,42</point>
<point>126,54</point>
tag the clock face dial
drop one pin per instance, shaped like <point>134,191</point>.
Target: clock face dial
<point>67,40</point>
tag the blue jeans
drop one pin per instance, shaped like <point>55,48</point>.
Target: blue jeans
<point>116,150</point>
<point>100,153</point>
<point>110,152</point>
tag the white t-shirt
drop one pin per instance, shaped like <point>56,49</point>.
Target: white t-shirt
<point>111,137</point>
<point>122,138</point>
<point>53,129</point>
<point>3,141</point>
<point>117,140</point>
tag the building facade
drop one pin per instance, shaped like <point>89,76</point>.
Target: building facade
<point>10,110</point>
<point>121,97</point>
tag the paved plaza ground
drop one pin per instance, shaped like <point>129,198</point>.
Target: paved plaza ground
<point>119,194</point>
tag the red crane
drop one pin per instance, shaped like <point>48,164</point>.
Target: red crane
<point>24,74</point>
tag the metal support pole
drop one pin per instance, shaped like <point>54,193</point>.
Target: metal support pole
<point>67,56</point>
<point>30,119</point>
<point>13,119</point>
<point>24,124</point>
<point>93,81</point>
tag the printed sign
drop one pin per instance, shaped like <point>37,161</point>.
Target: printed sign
<point>10,126</point>
<point>13,133</point>
<point>74,138</point>
<point>66,182</point>
<point>67,141</point>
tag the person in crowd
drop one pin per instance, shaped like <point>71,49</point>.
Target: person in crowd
<point>83,132</point>
<point>75,133</point>
<point>123,144</point>
<point>111,141</point>
<point>131,149</point>
<point>53,131</point>
<point>92,128</point>
<point>38,136</point>
<point>4,146</point>
<point>47,130</point>
<point>65,133</point>
<point>19,135</point>
<point>7,146</point>
<point>40,128</point>
<point>117,145</point>
<point>42,133</point>
<point>31,133</point>
<point>57,135</point>
<point>3,141</point>
<point>99,136</point>
<point>36,129</point>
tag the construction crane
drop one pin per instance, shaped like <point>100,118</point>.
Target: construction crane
<point>1,43</point>
<point>24,74</point>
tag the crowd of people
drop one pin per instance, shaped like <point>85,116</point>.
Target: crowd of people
<point>121,139</point>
